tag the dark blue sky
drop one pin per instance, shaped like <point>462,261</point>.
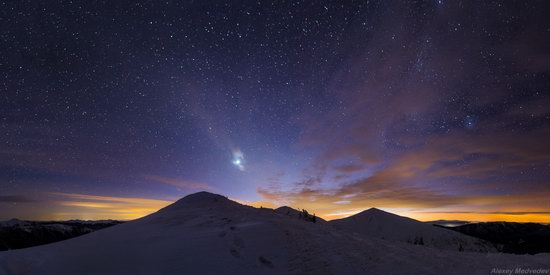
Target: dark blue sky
<point>335,106</point>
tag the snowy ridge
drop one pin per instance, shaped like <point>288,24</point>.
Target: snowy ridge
<point>291,212</point>
<point>208,234</point>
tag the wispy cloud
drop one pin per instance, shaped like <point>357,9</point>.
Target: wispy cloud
<point>181,183</point>
<point>85,206</point>
<point>16,199</point>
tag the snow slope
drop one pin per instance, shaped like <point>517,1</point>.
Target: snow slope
<point>380,224</point>
<point>205,233</point>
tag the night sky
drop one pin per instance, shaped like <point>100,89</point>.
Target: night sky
<point>430,109</point>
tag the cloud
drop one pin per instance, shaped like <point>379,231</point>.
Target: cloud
<point>238,159</point>
<point>351,168</point>
<point>308,182</point>
<point>181,183</point>
<point>385,188</point>
<point>83,206</point>
<point>16,199</point>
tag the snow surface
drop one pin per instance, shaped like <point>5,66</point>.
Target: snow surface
<point>205,233</point>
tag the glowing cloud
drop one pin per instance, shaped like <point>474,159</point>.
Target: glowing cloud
<point>91,207</point>
<point>238,159</point>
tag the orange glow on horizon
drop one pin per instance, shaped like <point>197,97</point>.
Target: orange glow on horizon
<point>482,217</point>
<point>92,207</point>
<point>518,216</point>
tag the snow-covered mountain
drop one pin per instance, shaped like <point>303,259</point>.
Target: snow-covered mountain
<point>205,233</point>
<point>380,224</point>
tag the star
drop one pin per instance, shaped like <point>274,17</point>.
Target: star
<point>469,122</point>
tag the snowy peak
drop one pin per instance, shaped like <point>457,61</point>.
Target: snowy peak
<point>289,211</point>
<point>379,214</point>
<point>201,200</point>
<point>374,212</point>
<point>378,217</point>
<point>381,224</point>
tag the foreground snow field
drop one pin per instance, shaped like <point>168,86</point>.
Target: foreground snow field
<point>205,233</point>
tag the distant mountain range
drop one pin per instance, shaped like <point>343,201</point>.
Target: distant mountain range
<point>510,237</point>
<point>205,233</point>
<point>448,223</point>
<point>16,234</point>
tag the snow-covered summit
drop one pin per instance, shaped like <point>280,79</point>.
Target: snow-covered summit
<point>200,200</point>
<point>377,214</point>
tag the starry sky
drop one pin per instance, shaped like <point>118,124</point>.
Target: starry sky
<point>430,109</point>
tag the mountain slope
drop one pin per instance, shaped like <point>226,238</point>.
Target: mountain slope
<point>380,224</point>
<point>205,233</point>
